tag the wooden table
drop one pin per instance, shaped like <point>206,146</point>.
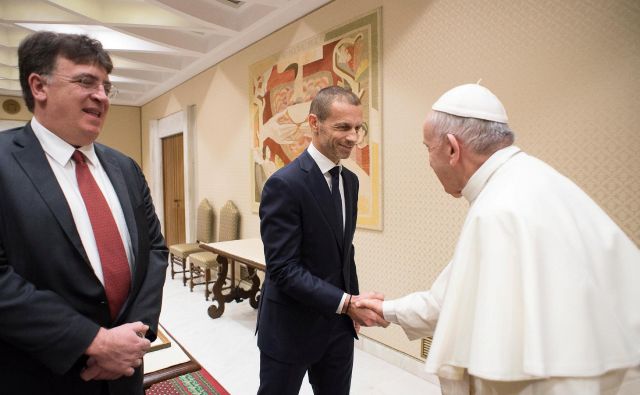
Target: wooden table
<point>249,252</point>
<point>167,363</point>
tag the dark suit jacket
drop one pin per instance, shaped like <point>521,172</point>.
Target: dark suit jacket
<point>309,266</point>
<point>51,302</point>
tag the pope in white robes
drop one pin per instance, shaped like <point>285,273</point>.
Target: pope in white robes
<point>542,295</point>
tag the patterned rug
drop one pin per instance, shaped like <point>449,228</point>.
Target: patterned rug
<point>200,383</point>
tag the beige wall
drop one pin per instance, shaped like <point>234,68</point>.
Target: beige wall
<point>566,71</point>
<point>121,129</point>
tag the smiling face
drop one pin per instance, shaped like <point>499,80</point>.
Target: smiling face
<point>73,112</point>
<point>336,136</point>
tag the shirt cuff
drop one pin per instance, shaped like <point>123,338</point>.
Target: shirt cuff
<point>341,304</point>
<point>389,311</point>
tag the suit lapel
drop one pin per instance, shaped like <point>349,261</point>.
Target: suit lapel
<point>320,191</point>
<point>349,201</point>
<point>33,161</point>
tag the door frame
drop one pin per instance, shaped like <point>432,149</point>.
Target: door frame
<point>179,122</point>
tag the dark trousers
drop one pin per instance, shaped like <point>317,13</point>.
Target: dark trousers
<point>330,375</point>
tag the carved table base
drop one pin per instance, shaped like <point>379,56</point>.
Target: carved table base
<point>235,292</point>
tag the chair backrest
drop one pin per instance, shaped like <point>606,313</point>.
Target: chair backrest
<point>204,222</point>
<point>229,222</point>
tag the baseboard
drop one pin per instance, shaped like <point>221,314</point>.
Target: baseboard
<point>395,357</point>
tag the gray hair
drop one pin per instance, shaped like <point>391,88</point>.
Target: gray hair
<point>482,136</point>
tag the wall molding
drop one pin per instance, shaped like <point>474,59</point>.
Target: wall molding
<point>396,358</point>
<point>176,123</point>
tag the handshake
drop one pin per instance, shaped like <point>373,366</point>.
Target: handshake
<point>365,309</point>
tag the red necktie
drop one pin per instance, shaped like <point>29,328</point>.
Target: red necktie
<point>115,266</point>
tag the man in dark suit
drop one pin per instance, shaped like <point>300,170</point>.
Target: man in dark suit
<point>308,319</point>
<point>82,258</point>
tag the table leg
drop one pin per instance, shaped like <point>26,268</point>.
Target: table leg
<point>216,311</point>
<point>254,298</point>
<point>239,294</point>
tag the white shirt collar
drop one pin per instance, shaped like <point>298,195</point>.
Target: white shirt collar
<point>479,179</point>
<point>57,148</point>
<point>325,164</point>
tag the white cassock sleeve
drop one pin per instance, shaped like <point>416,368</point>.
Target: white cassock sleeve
<point>418,313</point>
<point>543,284</point>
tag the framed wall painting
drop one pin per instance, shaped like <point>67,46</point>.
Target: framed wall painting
<point>283,86</point>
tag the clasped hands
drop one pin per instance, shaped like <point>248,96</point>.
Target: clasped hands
<point>366,309</point>
<point>116,352</point>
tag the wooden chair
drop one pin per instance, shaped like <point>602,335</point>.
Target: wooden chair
<point>203,263</point>
<point>178,253</point>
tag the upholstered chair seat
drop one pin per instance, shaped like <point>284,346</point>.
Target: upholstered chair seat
<point>202,264</point>
<point>178,253</point>
<point>182,251</point>
<point>204,259</point>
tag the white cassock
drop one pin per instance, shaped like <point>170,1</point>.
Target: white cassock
<point>542,295</point>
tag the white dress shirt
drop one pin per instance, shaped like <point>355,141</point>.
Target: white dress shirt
<point>58,154</point>
<point>325,164</point>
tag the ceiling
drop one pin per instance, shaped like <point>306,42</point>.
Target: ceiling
<point>155,44</point>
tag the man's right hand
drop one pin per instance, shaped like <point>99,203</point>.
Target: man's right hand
<point>374,305</point>
<point>115,352</point>
<point>363,316</point>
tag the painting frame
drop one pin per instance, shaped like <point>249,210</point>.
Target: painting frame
<point>282,87</point>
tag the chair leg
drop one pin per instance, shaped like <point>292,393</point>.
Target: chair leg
<point>192,269</point>
<point>184,273</point>
<point>207,280</point>
<point>175,261</point>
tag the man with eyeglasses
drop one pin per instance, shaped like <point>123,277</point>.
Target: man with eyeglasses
<point>82,257</point>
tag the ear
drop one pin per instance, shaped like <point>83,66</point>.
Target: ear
<point>454,149</point>
<point>313,122</point>
<point>38,87</point>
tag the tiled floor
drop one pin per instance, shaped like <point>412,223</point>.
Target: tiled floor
<point>227,348</point>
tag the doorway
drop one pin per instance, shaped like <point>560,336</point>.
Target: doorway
<point>180,123</point>
<point>173,189</point>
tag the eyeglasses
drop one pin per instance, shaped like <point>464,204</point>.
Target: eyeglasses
<point>91,83</point>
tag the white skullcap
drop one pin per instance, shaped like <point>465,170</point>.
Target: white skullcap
<point>472,101</point>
